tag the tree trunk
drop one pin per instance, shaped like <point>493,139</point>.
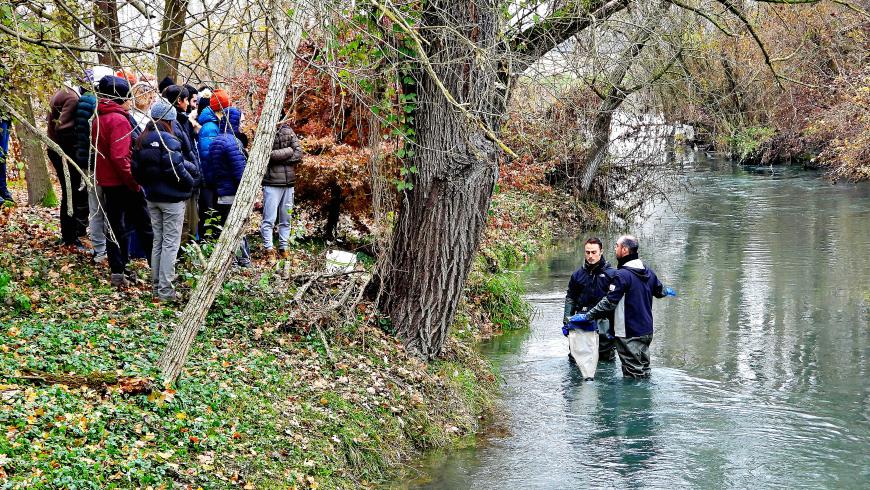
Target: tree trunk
<point>171,38</point>
<point>39,189</point>
<point>466,69</point>
<point>443,216</point>
<point>174,355</point>
<point>108,30</point>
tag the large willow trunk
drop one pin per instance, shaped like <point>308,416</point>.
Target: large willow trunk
<point>174,355</point>
<point>443,216</point>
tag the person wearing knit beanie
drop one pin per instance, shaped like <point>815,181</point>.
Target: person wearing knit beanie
<point>127,75</point>
<point>166,82</point>
<point>114,88</point>
<point>219,100</point>
<point>162,110</point>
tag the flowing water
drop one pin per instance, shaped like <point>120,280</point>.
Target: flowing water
<point>760,365</point>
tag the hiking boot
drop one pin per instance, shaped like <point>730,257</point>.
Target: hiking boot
<point>270,256</point>
<point>118,280</point>
<point>284,253</point>
<point>170,298</point>
<point>100,258</point>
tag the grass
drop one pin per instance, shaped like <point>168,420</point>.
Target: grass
<point>259,405</point>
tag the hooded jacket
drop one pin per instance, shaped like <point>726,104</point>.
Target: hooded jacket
<point>589,284</point>
<point>160,166</point>
<point>286,153</point>
<point>61,116</point>
<point>86,107</point>
<point>226,160</point>
<point>630,299</point>
<point>111,136</point>
<point>209,131</point>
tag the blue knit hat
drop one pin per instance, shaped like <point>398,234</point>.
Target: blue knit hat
<point>162,109</point>
<point>115,88</point>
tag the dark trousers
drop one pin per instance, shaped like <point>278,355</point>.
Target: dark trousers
<point>75,226</point>
<point>208,217</point>
<point>634,355</point>
<point>4,191</point>
<point>126,211</point>
<point>243,254</point>
<point>606,347</point>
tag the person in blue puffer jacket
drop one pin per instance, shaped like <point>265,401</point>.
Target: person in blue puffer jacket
<point>168,180</point>
<point>209,120</point>
<point>84,158</point>
<point>227,161</point>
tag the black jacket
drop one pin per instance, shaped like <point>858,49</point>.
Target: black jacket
<point>587,286</point>
<point>161,169</point>
<point>286,153</point>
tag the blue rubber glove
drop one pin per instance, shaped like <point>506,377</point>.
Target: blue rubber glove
<point>565,330</point>
<point>670,292</point>
<point>580,317</point>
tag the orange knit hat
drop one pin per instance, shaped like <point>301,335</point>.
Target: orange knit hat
<point>127,75</point>
<point>219,100</point>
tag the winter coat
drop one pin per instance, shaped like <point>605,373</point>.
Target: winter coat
<point>286,153</point>
<point>61,116</point>
<point>111,136</point>
<point>209,131</point>
<point>630,294</point>
<point>161,169</point>
<point>234,114</point>
<point>226,160</point>
<point>589,284</point>
<point>85,108</point>
<point>183,130</point>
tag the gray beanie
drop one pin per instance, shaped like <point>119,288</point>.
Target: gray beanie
<point>162,109</point>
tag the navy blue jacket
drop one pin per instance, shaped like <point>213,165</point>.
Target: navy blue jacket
<point>160,168</point>
<point>226,160</point>
<point>589,284</point>
<point>85,109</point>
<point>630,299</point>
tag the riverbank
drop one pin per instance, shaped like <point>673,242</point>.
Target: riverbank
<point>266,399</point>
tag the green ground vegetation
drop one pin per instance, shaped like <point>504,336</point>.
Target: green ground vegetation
<point>266,400</point>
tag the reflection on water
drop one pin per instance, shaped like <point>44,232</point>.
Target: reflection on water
<point>759,366</point>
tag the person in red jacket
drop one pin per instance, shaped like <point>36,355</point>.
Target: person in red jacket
<point>125,203</point>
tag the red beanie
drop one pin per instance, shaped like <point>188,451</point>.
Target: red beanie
<point>220,100</point>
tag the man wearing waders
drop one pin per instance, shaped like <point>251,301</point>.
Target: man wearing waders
<point>629,299</point>
<point>587,286</point>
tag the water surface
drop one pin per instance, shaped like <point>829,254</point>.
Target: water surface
<point>759,366</point>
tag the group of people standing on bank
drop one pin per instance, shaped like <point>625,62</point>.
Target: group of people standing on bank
<point>160,165</point>
<point>615,303</point>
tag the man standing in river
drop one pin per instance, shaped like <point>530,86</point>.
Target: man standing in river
<point>587,286</point>
<point>629,299</point>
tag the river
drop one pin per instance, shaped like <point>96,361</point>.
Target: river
<point>760,365</point>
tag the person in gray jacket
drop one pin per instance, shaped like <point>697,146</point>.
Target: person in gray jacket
<point>278,189</point>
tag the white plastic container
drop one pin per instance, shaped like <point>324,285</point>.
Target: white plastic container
<point>339,261</point>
